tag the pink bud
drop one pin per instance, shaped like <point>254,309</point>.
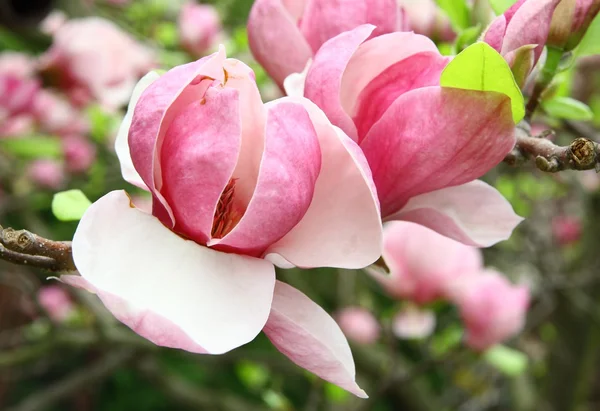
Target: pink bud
<point>79,154</point>
<point>570,22</point>
<point>199,26</point>
<point>56,302</point>
<point>425,17</point>
<point>412,322</point>
<point>566,229</point>
<point>47,174</point>
<point>359,325</point>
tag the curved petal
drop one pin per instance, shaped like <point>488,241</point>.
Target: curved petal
<point>198,156</point>
<point>286,182</point>
<point>221,301</point>
<point>494,34</point>
<point>342,227</point>
<point>416,71</point>
<point>324,78</point>
<point>323,20</point>
<point>272,33</point>
<point>434,137</point>
<point>309,337</point>
<point>474,213</point>
<point>121,144</point>
<point>293,84</point>
<point>374,57</point>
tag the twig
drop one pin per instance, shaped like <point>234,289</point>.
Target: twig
<point>25,248</point>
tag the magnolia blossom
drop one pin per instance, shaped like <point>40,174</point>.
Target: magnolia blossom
<point>570,22</point>
<point>566,229</point>
<point>425,144</point>
<point>491,307</point>
<point>93,59</point>
<point>55,300</point>
<point>423,264</point>
<point>47,174</point>
<point>79,153</point>
<point>18,90</point>
<point>425,17</point>
<point>237,185</point>
<point>56,115</point>
<point>413,323</point>
<point>199,26</point>
<point>359,325</point>
<point>275,27</point>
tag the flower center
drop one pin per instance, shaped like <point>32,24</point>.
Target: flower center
<point>226,217</point>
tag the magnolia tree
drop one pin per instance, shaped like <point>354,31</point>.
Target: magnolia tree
<point>380,173</point>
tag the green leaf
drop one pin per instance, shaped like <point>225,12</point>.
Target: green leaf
<point>589,44</point>
<point>500,6</point>
<point>70,205</point>
<point>166,34</point>
<point>32,147</point>
<point>480,67</point>
<point>446,340</point>
<point>336,394</point>
<point>458,12</point>
<point>506,360</point>
<point>467,37</point>
<point>252,375</point>
<point>567,108</point>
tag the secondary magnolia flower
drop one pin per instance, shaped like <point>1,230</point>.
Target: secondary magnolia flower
<point>199,26</point>
<point>423,264</point>
<point>55,300</point>
<point>236,184</point>
<point>56,115</point>
<point>95,60</point>
<point>570,22</point>
<point>566,229</point>
<point>413,323</point>
<point>491,307</point>
<point>47,174</point>
<point>79,153</point>
<point>277,26</point>
<point>425,17</point>
<point>423,142</point>
<point>359,325</point>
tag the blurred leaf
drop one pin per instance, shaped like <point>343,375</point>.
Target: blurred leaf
<point>480,67</point>
<point>446,49</point>
<point>336,394</point>
<point>567,108</point>
<point>458,12</point>
<point>101,123</point>
<point>276,401</point>
<point>506,360</point>
<point>467,37</point>
<point>500,6</point>
<point>589,44</point>
<point>446,340</point>
<point>252,375</point>
<point>33,147</point>
<point>166,34</point>
<point>70,205</point>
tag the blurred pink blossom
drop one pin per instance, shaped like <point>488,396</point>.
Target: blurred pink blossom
<point>199,27</point>
<point>53,22</point>
<point>413,322</point>
<point>47,174</point>
<point>55,300</point>
<point>18,90</point>
<point>55,115</point>
<point>566,229</point>
<point>94,59</point>
<point>358,324</point>
<point>492,309</point>
<point>79,154</point>
<point>17,64</point>
<point>425,17</point>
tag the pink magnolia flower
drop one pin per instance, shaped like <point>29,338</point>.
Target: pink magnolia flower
<point>566,229</point>
<point>413,323</point>
<point>55,300</point>
<point>237,186</point>
<point>425,144</point>
<point>359,325</point>
<point>492,309</point>
<point>79,153</point>
<point>570,22</point>
<point>199,26</point>
<point>17,64</point>
<point>423,264</point>
<point>93,59</point>
<point>425,17</point>
<point>47,174</point>
<point>277,26</point>
<point>55,115</point>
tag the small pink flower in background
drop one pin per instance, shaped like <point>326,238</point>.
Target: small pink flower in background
<point>570,22</point>
<point>94,59</point>
<point>53,22</point>
<point>413,323</point>
<point>79,154</point>
<point>199,27</point>
<point>16,125</point>
<point>492,308</point>
<point>277,26</point>
<point>47,174</point>
<point>55,115</point>
<point>17,64</point>
<point>425,17</point>
<point>425,144</point>
<point>55,300</point>
<point>423,264</point>
<point>237,185</point>
<point>566,229</point>
<point>359,325</point>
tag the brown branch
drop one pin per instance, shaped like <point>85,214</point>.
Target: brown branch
<point>25,248</point>
<point>581,154</point>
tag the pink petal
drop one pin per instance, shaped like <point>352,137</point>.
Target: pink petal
<point>474,213</point>
<point>324,78</point>
<point>323,20</point>
<point>272,33</point>
<point>342,227</point>
<point>309,337</point>
<point>286,182</point>
<point>416,71</point>
<point>433,137</point>
<point>412,322</point>
<point>121,144</point>
<point>494,34</point>
<point>374,57</point>
<point>198,157</point>
<point>220,301</point>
